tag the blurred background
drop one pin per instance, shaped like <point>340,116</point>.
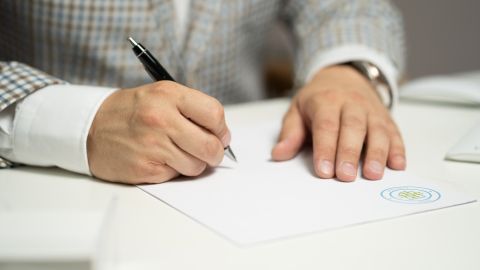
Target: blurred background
<point>443,36</point>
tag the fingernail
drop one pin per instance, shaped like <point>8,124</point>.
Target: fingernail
<point>326,167</point>
<point>348,169</point>
<point>226,139</point>
<point>375,167</point>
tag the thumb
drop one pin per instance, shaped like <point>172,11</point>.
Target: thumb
<point>291,137</point>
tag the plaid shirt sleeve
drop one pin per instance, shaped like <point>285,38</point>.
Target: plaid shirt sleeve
<point>18,80</point>
<point>323,25</point>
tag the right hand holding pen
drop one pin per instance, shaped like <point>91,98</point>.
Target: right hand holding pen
<point>153,133</point>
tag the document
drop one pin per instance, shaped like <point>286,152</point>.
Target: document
<point>257,200</point>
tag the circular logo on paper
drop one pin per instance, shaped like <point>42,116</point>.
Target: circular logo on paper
<point>410,195</point>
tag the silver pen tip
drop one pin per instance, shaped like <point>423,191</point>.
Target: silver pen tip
<point>229,153</point>
<point>132,41</point>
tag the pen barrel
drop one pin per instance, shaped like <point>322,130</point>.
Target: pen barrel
<point>151,64</point>
<point>154,68</point>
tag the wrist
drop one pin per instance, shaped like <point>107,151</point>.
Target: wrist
<point>349,53</point>
<point>348,74</point>
<point>376,78</point>
<point>343,74</point>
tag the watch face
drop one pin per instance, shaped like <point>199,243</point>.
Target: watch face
<point>364,69</point>
<point>373,71</point>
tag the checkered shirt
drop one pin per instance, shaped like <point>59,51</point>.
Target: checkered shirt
<point>45,42</point>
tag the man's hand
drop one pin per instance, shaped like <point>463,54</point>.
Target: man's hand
<point>345,117</point>
<point>152,133</point>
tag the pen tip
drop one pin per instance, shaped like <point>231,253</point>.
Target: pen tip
<point>132,41</point>
<point>229,153</point>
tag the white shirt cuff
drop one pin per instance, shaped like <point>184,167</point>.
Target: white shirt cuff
<point>348,53</point>
<point>51,126</point>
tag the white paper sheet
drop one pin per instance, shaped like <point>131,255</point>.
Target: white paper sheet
<point>258,200</point>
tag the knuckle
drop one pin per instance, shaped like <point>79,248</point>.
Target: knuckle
<point>196,168</point>
<point>324,152</point>
<point>217,113</point>
<point>379,126</point>
<point>354,121</point>
<point>326,124</point>
<point>357,97</point>
<point>315,101</point>
<point>163,90</point>
<point>152,90</point>
<point>377,153</point>
<point>350,151</point>
<point>140,93</point>
<point>212,149</point>
<point>330,95</point>
<point>151,117</point>
<point>139,168</point>
<point>165,86</point>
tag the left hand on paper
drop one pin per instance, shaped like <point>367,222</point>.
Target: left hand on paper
<point>341,111</point>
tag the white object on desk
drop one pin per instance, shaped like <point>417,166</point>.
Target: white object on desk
<point>258,200</point>
<point>468,148</point>
<point>57,239</point>
<point>461,88</point>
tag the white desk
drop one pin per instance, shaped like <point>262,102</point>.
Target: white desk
<point>145,233</point>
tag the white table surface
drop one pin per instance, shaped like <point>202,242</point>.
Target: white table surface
<point>145,233</point>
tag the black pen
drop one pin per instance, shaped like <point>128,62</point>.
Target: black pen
<point>158,73</point>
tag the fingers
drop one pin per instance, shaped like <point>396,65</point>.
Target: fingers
<point>194,128</point>
<point>166,157</point>
<point>291,136</point>
<point>197,141</point>
<point>205,111</point>
<point>378,142</point>
<point>325,128</point>
<point>183,162</point>
<point>396,157</point>
<point>339,140</point>
<point>353,129</point>
<point>142,135</point>
<point>156,173</point>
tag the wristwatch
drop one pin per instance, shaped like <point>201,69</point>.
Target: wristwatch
<point>378,80</point>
